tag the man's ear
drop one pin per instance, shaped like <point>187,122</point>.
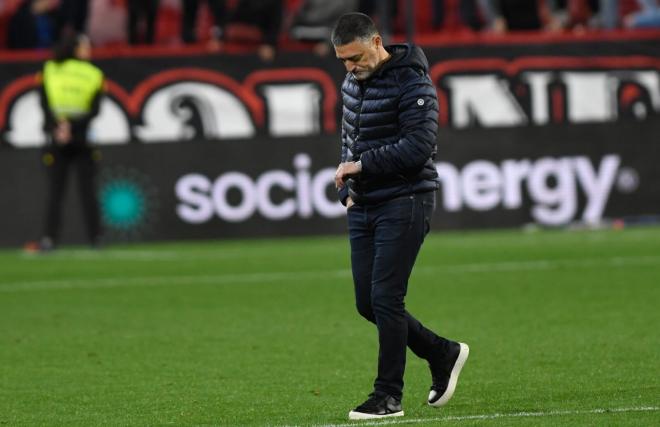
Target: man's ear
<point>377,40</point>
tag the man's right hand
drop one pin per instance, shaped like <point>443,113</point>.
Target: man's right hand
<point>344,171</point>
<point>62,132</point>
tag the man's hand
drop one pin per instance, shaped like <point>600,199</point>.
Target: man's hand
<point>62,132</point>
<point>266,52</point>
<point>345,171</point>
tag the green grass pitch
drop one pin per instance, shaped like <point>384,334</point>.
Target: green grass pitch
<point>563,329</point>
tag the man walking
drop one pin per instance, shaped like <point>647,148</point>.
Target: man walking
<point>387,180</point>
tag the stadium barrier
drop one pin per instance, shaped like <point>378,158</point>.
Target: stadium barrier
<point>275,187</point>
<point>210,146</point>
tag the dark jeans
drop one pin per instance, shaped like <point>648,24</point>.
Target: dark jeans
<point>73,15</point>
<point>468,11</point>
<point>264,14</point>
<point>63,158</point>
<point>385,240</point>
<point>190,9</point>
<point>142,11</point>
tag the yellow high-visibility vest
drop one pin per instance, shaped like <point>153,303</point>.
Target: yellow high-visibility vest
<point>70,87</point>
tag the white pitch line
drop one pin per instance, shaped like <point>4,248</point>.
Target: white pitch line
<point>232,278</point>
<point>490,416</point>
<point>219,279</point>
<point>134,255</point>
<point>545,264</point>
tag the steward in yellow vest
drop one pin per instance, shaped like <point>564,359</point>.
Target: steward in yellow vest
<point>71,92</point>
<point>70,98</point>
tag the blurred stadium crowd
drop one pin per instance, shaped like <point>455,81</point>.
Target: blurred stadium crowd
<point>265,24</point>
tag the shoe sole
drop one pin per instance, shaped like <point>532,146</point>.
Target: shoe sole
<point>453,378</point>
<point>362,416</point>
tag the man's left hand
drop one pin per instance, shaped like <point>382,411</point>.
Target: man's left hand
<point>345,171</point>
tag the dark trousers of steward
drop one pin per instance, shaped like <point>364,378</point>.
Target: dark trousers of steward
<point>385,240</point>
<point>80,158</point>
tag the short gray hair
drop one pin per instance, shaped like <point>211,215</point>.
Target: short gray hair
<point>353,26</point>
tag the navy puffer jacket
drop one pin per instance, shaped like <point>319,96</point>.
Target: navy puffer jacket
<point>390,123</point>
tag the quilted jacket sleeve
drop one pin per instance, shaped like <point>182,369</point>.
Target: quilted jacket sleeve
<point>418,123</point>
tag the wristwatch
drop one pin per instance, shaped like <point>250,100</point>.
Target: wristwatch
<point>359,165</point>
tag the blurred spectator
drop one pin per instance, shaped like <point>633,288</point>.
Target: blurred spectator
<point>190,11</point>
<point>522,15</point>
<point>383,12</point>
<point>372,7</point>
<point>647,17</point>
<point>141,21</point>
<point>583,14</point>
<point>73,16</point>
<point>515,15</point>
<point>470,14</point>
<point>108,22</point>
<point>32,25</point>
<point>265,15</point>
<point>475,14</point>
<point>579,15</point>
<point>608,14</point>
<point>315,19</point>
